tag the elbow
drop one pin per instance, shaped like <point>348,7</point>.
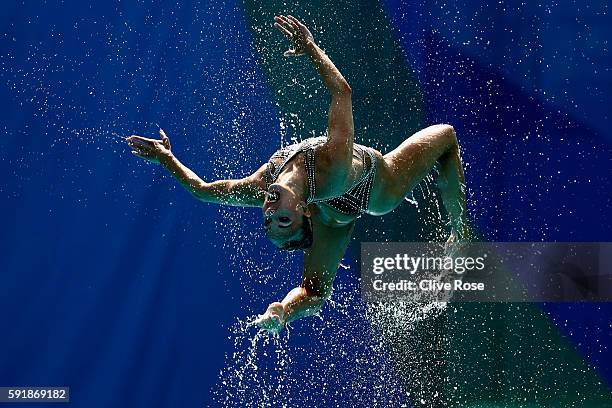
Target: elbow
<point>344,89</point>
<point>449,132</point>
<point>199,190</point>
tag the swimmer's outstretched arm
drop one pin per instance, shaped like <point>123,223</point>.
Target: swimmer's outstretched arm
<point>338,151</point>
<point>245,192</point>
<point>321,262</point>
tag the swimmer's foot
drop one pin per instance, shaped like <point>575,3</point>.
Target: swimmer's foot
<point>463,234</point>
<point>457,242</point>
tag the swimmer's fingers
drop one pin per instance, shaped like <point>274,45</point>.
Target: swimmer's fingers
<point>295,21</point>
<point>296,33</point>
<point>142,151</point>
<point>142,156</point>
<point>287,26</point>
<point>259,322</point>
<point>284,31</point>
<point>139,141</point>
<point>270,323</point>
<point>153,150</point>
<point>143,147</point>
<point>300,28</point>
<point>165,139</point>
<point>256,321</point>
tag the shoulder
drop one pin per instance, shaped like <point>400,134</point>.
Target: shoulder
<point>258,178</point>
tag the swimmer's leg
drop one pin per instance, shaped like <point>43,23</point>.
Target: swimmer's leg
<point>404,167</point>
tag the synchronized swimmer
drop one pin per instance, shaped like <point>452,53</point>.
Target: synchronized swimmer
<point>312,192</point>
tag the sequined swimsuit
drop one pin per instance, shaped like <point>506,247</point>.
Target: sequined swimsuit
<point>352,202</point>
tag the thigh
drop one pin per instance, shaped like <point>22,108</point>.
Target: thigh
<point>400,170</point>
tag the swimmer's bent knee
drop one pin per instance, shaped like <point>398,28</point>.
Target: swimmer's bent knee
<point>447,132</point>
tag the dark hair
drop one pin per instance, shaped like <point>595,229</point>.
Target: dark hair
<point>306,239</point>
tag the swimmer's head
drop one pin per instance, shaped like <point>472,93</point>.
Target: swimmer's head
<point>287,219</point>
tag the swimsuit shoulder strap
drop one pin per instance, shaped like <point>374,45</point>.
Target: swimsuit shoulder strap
<point>309,163</point>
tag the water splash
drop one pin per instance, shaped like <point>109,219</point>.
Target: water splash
<point>259,361</point>
<point>341,356</point>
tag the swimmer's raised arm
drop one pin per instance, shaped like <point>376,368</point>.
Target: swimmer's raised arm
<point>245,192</point>
<point>338,151</point>
<point>321,262</point>
<point>303,43</point>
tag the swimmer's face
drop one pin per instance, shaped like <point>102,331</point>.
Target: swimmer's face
<point>283,215</point>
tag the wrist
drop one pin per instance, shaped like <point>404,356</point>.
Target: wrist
<point>311,47</point>
<point>166,159</point>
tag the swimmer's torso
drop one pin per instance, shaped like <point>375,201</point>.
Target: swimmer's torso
<point>342,206</point>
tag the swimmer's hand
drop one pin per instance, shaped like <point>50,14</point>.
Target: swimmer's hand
<point>273,320</point>
<point>154,150</point>
<point>296,32</point>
